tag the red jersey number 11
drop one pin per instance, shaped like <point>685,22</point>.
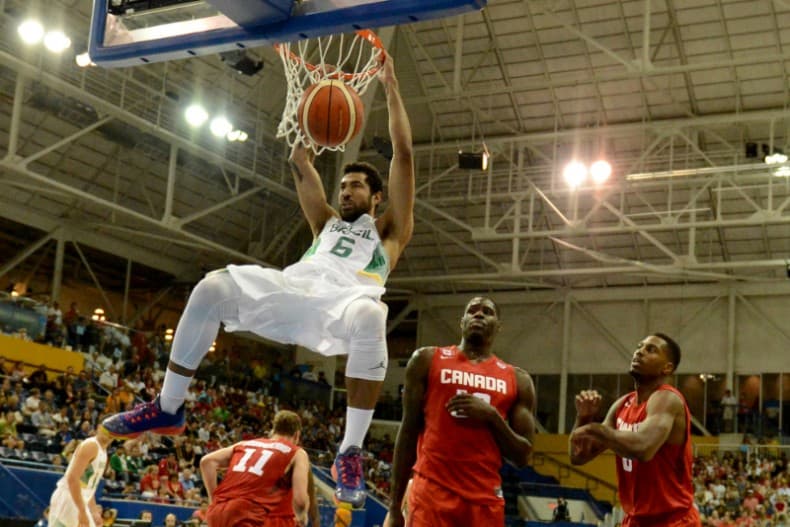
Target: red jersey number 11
<point>257,468</point>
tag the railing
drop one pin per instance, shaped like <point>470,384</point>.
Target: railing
<point>564,470</point>
<point>750,450</point>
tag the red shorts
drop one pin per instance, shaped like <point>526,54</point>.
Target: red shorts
<point>238,514</point>
<point>431,505</point>
<point>688,518</point>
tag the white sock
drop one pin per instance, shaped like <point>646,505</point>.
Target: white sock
<point>174,390</point>
<point>357,424</point>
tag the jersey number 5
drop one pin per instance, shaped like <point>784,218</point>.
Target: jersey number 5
<point>257,468</point>
<point>343,247</point>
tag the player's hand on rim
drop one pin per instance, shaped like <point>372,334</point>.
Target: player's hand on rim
<point>387,71</point>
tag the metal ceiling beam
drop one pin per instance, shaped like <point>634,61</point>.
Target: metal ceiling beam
<point>660,270</point>
<point>25,253</point>
<point>618,130</point>
<point>618,294</point>
<point>102,242</point>
<point>100,105</point>
<point>214,208</point>
<point>468,248</point>
<point>95,280</point>
<point>109,205</point>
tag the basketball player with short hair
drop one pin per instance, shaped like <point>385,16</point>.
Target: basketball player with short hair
<point>73,504</point>
<point>649,430</point>
<point>327,302</point>
<point>266,482</point>
<point>463,410</point>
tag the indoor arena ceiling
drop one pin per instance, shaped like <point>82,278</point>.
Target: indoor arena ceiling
<point>671,91</point>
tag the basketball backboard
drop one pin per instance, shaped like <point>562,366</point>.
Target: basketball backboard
<point>133,32</point>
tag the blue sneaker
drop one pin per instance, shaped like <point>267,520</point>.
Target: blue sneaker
<point>145,417</point>
<point>348,473</point>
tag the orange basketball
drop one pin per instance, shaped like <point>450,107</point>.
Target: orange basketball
<point>330,113</point>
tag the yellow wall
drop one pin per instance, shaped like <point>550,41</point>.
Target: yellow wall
<point>556,463</point>
<point>14,349</point>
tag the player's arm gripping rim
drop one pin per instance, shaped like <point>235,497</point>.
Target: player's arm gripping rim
<point>309,188</point>
<point>663,409</point>
<point>412,423</point>
<point>83,456</point>
<point>210,465</point>
<point>397,222</point>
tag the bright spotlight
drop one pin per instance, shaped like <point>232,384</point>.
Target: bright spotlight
<point>31,31</point>
<point>234,135</point>
<point>574,173</point>
<point>195,115</point>
<point>220,126</point>
<point>600,172</point>
<point>56,41</point>
<point>782,172</point>
<point>777,158</point>
<point>242,136</point>
<point>83,60</point>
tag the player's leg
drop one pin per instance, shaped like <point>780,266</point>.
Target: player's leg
<point>366,321</point>
<point>215,297</point>
<point>62,511</point>
<point>431,505</point>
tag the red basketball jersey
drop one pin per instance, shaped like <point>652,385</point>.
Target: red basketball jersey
<point>662,486</point>
<point>452,451</point>
<point>258,475</point>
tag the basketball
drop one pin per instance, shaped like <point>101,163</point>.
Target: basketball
<point>330,113</point>
<point>342,517</point>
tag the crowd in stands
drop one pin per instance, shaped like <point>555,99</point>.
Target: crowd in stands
<point>748,488</point>
<point>52,413</point>
<point>47,415</point>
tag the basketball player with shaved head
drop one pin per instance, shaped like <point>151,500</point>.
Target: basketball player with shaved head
<point>649,430</point>
<point>328,302</point>
<point>463,410</point>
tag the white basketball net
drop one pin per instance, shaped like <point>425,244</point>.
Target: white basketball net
<point>354,61</point>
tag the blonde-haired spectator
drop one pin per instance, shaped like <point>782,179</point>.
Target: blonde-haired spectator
<point>8,434</point>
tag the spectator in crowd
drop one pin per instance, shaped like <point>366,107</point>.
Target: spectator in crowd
<point>561,512</point>
<point>18,373</point>
<point>109,378</point>
<point>43,421</point>
<point>32,402</point>
<point>39,378</point>
<point>8,434</point>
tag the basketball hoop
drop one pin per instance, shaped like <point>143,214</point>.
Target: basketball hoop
<point>354,60</point>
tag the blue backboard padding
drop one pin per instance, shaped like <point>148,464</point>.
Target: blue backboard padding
<point>297,27</point>
<point>250,13</point>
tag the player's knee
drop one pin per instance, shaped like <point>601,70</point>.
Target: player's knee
<point>366,318</point>
<point>367,354</point>
<point>213,289</point>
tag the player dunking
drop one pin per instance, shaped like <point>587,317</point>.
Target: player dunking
<point>328,301</point>
<point>649,430</point>
<point>73,504</point>
<point>266,483</point>
<point>463,410</point>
